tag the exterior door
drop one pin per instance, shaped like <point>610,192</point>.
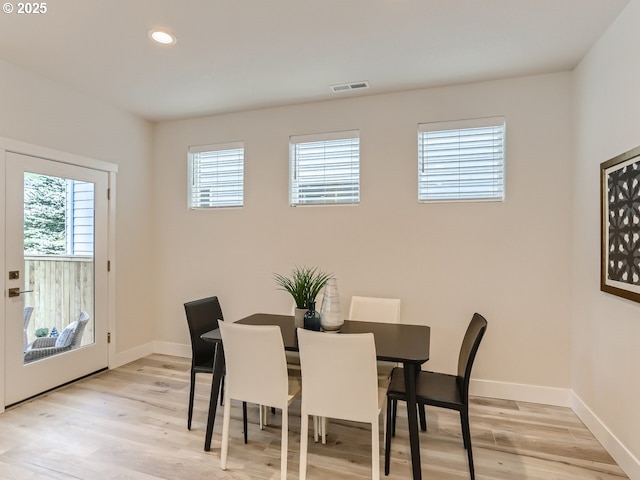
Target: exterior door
<point>56,259</point>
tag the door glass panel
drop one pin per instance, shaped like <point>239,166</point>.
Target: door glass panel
<point>58,265</point>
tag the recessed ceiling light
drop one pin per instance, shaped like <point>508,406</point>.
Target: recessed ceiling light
<point>162,36</point>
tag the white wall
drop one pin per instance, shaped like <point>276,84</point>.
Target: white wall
<point>46,114</point>
<point>606,328</point>
<point>509,261</point>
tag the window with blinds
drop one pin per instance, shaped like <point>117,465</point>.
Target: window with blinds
<point>216,176</point>
<point>462,160</point>
<point>324,168</point>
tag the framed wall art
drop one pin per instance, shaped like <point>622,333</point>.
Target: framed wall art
<point>620,225</point>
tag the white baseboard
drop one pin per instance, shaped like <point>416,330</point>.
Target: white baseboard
<point>621,454</point>
<point>165,348</point>
<point>175,349</point>
<point>130,355</point>
<point>560,397</point>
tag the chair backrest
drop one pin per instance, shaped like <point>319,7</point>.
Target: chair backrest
<point>27,318</point>
<point>470,343</point>
<point>82,321</point>
<point>339,375</point>
<point>71,335</point>
<point>372,309</point>
<point>202,316</point>
<point>256,366</point>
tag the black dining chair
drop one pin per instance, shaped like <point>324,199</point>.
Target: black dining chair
<point>202,316</point>
<point>440,390</point>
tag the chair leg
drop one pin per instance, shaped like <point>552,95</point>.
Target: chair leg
<point>285,441</point>
<point>323,429</point>
<point>221,390</point>
<point>264,416</point>
<point>375,450</point>
<point>464,423</point>
<point>262,413</point>
<point>466,436</point>
<point>422,412</point>
<point>192,388</point>
<point>225,434</point>
<point>387,438</point>
<point>394,405</point>
<point>244,420</point>
<point>383,410</point>
<point>304,439</point>
<point>320,429</point>
<point>316,428</point>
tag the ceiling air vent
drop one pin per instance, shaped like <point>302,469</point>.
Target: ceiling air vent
<point>345,87</point>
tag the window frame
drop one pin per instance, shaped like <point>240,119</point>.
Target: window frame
<point>461,126</point>
<point>237,194</point>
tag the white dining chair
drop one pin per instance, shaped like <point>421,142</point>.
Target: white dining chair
<point>339,380</point>
<point>256,372</point>
<point>374,309</point>
<point>369,309</point>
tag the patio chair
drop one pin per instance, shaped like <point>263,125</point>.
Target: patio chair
<point>27,318</point>
<point>69,339</point>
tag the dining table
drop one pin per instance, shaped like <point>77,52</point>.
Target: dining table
<point>395,342</point>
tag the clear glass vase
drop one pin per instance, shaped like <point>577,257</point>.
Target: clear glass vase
<point>331,318</point>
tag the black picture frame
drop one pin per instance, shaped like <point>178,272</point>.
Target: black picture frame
<point>620,225</point>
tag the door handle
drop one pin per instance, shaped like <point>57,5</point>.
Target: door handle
<point>15,292</point>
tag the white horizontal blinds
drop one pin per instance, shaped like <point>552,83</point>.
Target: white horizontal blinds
<point>461,160</point>
<point>325,168</point>
<point>216,176</point>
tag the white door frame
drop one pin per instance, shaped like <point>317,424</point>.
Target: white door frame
<point>8,145</point>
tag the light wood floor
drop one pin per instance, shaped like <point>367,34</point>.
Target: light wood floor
<point>130,423</point>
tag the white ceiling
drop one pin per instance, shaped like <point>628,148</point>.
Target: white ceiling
<point>243,54</point>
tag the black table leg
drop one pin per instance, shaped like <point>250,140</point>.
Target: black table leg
<point>218,368</point>
<point>410,371</point>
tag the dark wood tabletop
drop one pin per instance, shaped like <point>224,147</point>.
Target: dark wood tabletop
<point>394,342</point>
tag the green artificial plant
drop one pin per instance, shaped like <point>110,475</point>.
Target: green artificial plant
<point>303,284</point>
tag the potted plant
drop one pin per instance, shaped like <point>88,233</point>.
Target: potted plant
<point>41,332</point>
<point>303,284</point>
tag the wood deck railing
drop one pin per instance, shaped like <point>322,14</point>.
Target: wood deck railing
<point>62,288</point>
